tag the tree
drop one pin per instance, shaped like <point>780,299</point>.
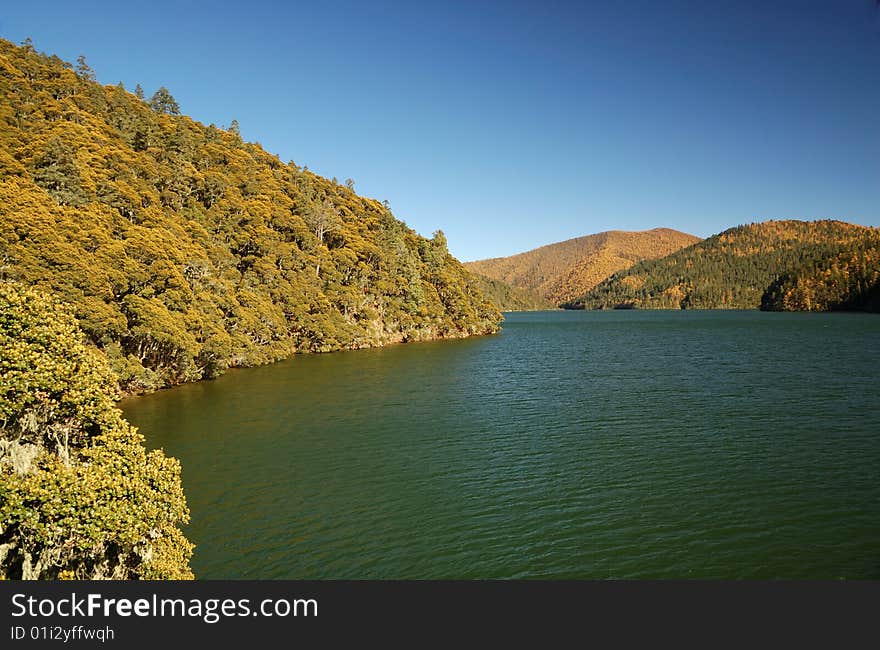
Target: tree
<point>323,218</point>
<point>83,70</point>
<point>141,140</point>
<point>139,92</point>
<point>349,183</point>
<point>56,172</point>
<point>435,251</point>
<point>163,102</point>
<point>440,241</point>
<point>234,128</point>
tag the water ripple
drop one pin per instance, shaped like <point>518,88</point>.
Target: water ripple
<point>572,445</point>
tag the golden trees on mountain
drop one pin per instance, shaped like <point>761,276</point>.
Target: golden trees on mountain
<point>184,250</point>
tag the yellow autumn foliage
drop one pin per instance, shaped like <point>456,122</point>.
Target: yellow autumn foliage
<point>80,496</point>
<point>184,250</point>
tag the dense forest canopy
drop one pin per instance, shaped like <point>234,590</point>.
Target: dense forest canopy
<point>792,265</point>
<point>849,280</point>
<point>562,271</point>
<point>184,250</point>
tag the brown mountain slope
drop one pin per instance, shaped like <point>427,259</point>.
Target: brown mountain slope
<point>570,268</point>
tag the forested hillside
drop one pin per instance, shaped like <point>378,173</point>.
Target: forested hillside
<point>184,250</point>
<point>509,298</point>
<point>786,260</point>
<point>849,280</point>
<point>559,272</point>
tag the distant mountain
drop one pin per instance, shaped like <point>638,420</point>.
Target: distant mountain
<point>508,298</point>
<point>774,264</point>
<point>560,272</point>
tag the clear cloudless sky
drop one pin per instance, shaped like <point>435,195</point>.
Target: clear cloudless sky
<point>510,125</point>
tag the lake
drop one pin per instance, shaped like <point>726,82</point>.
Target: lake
<point>616,444</point>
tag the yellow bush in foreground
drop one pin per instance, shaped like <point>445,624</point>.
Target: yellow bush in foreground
<point>80,496</point>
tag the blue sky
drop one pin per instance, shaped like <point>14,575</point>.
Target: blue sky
<point>514,124</point>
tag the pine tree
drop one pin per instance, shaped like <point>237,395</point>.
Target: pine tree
<point>83,70</point>
<point>163,102</point>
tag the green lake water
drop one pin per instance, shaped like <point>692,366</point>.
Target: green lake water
<point>622,444</point>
